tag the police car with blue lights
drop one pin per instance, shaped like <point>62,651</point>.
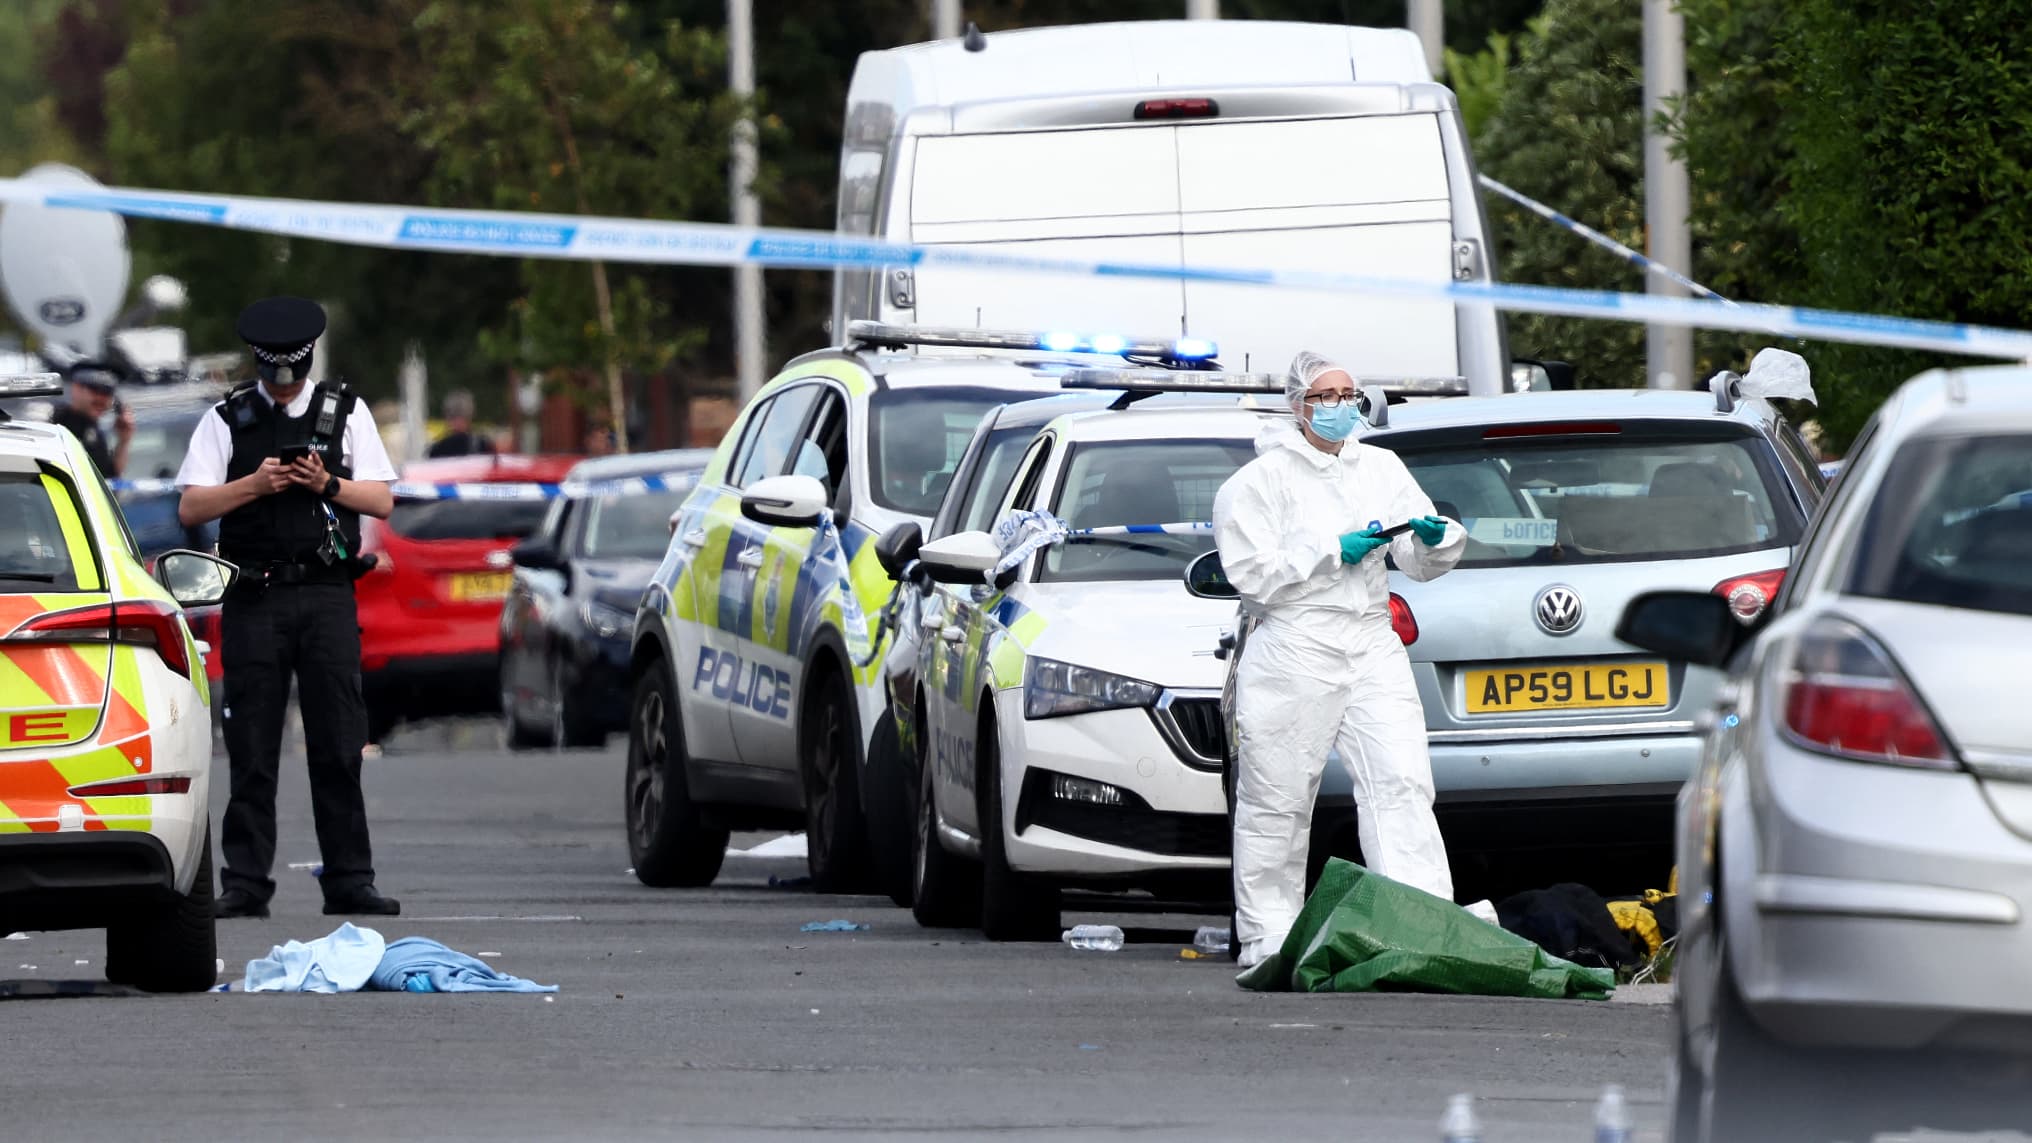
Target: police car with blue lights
<point>757,697</point>
<point>1066,712</point>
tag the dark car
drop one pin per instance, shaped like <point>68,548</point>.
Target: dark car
<point>570,611</point>
<point>162,433</point>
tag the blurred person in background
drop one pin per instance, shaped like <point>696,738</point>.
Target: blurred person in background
<point>93,391</point>
<point>459,438</point>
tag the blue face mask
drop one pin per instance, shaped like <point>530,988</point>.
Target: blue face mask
<point>1334,424</point>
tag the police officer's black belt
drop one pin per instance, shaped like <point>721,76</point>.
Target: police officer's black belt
<point>294,572</point>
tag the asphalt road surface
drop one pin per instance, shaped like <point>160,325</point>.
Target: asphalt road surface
<point>708,1014</point>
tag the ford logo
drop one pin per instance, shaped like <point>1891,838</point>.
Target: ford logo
<point>1558,610</point>
<point>62,311</point>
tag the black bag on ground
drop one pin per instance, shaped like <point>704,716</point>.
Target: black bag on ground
<point>1570,921</point>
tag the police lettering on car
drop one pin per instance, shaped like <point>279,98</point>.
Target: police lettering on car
<point>288,468</point>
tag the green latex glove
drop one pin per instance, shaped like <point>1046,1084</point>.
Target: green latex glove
<point>1430,530</point>
<point>1356,545</point>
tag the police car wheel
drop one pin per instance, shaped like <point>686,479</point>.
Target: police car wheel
<point>829,746</point>
<point>945,888</point>
<point>170,945</point>
<point>668,841</point>
<point>888,798</point>
<point>1014,906</point>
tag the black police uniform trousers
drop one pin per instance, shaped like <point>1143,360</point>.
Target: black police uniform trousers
<point>310,630</point>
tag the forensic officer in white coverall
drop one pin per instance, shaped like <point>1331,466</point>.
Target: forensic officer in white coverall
<point>1325,670</point>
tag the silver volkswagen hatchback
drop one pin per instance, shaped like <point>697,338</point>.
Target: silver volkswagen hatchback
<point>1550,737</point>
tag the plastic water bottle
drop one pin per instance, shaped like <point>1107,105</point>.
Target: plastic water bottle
<point>1210,941</point>
<point>1460,1125</point>
<point>1612,1116</point>
<point>1098,938</point>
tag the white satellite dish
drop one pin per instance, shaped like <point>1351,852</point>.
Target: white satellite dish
<point>64,270</point>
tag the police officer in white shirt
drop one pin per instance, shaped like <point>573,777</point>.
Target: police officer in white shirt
<point>288,469</point>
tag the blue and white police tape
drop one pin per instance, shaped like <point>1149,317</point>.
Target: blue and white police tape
<point>715,244</point>
<point>1022,534</point>
<point>1602,240</point>
<point>418,490</point>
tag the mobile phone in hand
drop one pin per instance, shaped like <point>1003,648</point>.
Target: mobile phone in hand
<point>290,454</point>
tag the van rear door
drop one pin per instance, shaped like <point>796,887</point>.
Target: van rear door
<point>1360,194</point>
<point>1106,194</point>
<point>1364,195</point>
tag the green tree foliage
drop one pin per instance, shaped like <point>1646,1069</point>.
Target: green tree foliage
<point>1911,144</point>
<point>1480,80</point>
<point>547,105</point>
<point>1570,132</point>
<point>286,100</point>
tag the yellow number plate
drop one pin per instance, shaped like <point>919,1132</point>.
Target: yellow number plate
<point>1567,686</point>
<point>479,587</point>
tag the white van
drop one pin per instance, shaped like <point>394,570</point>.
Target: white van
<point>1194,143</point>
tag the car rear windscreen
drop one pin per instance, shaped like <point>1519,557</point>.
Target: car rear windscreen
<point>1610,494</point>
<point>35,553</point>
<point>158,445</point>
<point>635,526</point>
<point>1952,526</point>
<point>1138,482</point>
<point>916,438</point>
<point>466,519</point>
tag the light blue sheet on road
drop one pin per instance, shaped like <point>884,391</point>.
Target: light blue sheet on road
<point>350,959</point>
<point>339,962</point>
<point>419,964</point>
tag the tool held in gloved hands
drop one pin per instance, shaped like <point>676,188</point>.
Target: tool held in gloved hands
<point>1355,546</point>
<point>1430,530</point>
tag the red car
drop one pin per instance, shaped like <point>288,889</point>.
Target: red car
<point>430,610</point>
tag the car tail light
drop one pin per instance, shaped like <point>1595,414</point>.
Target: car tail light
<point>1749,595</point>
<point>130,787</point>
<point>1844,696</point>
<point>1402,621</point>
<point>1194,108</point>
<point>1554,429</point>
<point>143,622</point>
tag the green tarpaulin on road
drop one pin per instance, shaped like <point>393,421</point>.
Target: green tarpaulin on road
<point>1362,932</point>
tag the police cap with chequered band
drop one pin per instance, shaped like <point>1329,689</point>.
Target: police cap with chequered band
<point>281,331</point>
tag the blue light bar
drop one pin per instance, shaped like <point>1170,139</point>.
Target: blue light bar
<point>31,385</point>
<point>874,333</point>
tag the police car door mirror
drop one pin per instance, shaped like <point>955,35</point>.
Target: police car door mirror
<point>1690,626</point>
<point>1206,578</point>
<point>194,579</point>
<point>961,558</point>
<point>535,553</point>
<point>793,501</point>
<point>898,546</point>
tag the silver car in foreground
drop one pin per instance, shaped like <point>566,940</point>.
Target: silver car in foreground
<point>1856,849</point>
<point>1557,748</point>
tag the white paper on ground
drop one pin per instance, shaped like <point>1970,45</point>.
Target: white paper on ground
<point>789,845</point>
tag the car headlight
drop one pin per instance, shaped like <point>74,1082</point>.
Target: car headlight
<point>1052,689</point>
<point>605,621</point>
